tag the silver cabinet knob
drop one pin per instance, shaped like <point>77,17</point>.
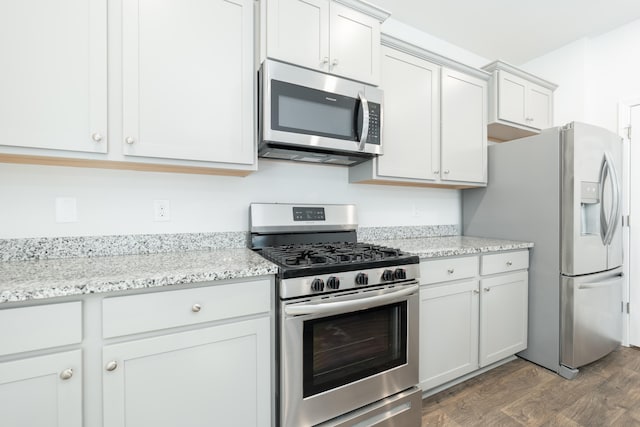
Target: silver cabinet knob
<point>509,263</point>
<point>487,289</point>
<point>196,308</point>
<point>129,140</point>
<point>450,271</point>
<point>436,172</point>
<point>66,374</point>
<point>111,366</point>
<point>96,137</point>
<point>325,60</point>
<point>335,62</point>
<point>475,291</point>
<point>446,171</point>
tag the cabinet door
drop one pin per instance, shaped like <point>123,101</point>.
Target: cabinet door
<point>33,392</point>
<point>218,376</point>
<point>411,131</point>
<point>503,316</point>
<point>464,128</point>
<point>539,102</point>
<point>354,44</point>
<point>511,98</point>
<point>448,332</point>
<point>298,32</point>
<point>187,79</point>
<point>53,90</point>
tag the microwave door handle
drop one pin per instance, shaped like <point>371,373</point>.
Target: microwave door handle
<point>364,132</point>
<point>350,305</point>
<point>615,207</point>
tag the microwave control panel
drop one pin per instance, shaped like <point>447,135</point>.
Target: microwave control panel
<point>374,124</point>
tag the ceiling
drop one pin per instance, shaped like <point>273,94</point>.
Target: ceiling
<point>514,31</point>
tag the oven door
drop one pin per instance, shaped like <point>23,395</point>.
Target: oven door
<point>344,352</point>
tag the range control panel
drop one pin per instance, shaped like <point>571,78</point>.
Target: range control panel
<point>307,213</point>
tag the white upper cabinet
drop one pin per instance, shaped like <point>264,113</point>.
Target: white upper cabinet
<point>435,121</point>
<point>53,90</point>
<point>298,32</point>
<point>464,127</point>
<point>338,37</point>
<point>188,80</point>
<point>520,104</point>
<point>412,116</point>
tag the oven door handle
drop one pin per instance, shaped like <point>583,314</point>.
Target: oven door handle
<point>351,305</point>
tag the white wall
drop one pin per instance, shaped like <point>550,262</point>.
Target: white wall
<point>594,75</point>
<point>121,202</point>
<point>565,67</point>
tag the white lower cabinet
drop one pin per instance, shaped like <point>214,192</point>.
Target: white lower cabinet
<point>448,332</point>
<point>199,355</point>
<point>469,320</point>
<point>503,316</point>
<point>214,376</point>
<point>42,391</point>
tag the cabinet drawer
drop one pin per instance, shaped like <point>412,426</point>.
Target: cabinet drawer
<point>441,270</point>
<point>499,263</point>
<point>147,312</point>
<point>42,326</point>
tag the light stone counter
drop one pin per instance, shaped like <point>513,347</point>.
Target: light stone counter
<point>31,280</point>
<point>433,247</point>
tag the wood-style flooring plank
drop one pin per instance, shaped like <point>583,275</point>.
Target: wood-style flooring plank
<point>519,393</point>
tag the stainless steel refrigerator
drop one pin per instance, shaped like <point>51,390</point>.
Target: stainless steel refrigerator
<point>560,189</point>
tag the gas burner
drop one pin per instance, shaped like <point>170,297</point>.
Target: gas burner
<point>328,253</point>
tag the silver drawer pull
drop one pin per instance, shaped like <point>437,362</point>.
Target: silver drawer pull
<point>509,263</point>
<point>66,374</point>
<point>111,366</point>
<point>450,271</point>
<point>96,137</point>
<point>475,291</point>
<point>487,289</point>
<point>196,308</point>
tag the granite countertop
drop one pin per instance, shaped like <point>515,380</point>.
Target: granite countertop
<point>433,247</point>
<point>31,280</point>
<point>38,277</point>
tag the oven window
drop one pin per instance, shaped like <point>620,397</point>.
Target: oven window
<point>309,111</point>
<point>344,348</point>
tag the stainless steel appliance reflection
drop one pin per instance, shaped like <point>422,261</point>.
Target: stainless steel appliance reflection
<point>348,319</point>
<point>560,190</point>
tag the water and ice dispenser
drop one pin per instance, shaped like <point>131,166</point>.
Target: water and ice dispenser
<point>590,208</point>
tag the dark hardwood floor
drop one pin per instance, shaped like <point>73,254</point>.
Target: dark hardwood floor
<point>605,393</point>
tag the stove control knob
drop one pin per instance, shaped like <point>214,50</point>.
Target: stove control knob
<point>362,279</point>
<point>333,282</point>
<point>400,274</point>
<point>387,275</point>
<point>317,285</point>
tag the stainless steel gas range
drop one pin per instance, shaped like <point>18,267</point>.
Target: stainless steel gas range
<point>347,342</point>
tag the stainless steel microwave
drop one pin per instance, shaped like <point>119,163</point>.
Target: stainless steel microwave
<point>309,116</point>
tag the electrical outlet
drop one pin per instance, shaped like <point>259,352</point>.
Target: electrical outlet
<point>66,209</point>
<point>161,210</point>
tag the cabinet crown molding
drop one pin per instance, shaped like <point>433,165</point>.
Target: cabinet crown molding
<point>436,58</point>
<point>501,65</point>
<point>366,8</point>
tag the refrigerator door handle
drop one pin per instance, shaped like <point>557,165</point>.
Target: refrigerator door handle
<point>615,207</point>
<point>604,226</point>
<point>607,228</point>
<point>602,284</point>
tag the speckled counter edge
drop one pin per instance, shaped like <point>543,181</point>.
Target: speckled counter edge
<point>42,248</point>
<point>406,232</point>
<point>96,246</point>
